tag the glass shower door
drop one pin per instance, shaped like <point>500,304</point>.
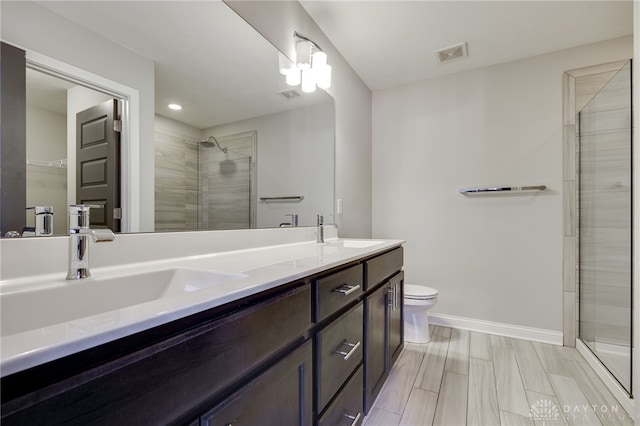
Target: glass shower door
<point>224,189</point>
<point>605,225</point>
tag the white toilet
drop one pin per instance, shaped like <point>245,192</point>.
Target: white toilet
<point>417,300</point>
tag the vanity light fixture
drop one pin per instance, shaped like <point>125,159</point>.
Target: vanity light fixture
<point>310,67</point>
<point>175,107</point>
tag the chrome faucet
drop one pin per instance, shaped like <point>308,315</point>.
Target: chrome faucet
<point>79,232</point>
<point>292,224</point>
<point>43,220</point>
<point>320,229</point>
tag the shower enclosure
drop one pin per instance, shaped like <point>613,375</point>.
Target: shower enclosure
<point>224,187</point>
<point>605,221</point>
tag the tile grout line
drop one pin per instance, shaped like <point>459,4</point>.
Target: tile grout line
<point>466,413</point>
<point>413,384</point>
<point>442,378</point>
<point>495,378</point>
<point>524,386</point>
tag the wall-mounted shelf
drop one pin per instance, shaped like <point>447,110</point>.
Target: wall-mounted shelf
<point>290,198</point>
<point>502,189</point>
<point>56,164</point>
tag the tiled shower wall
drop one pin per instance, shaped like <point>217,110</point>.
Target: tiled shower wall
<point>580,85</point>
<point>176,183</point>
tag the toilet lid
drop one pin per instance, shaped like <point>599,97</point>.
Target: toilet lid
<point>412,291</point>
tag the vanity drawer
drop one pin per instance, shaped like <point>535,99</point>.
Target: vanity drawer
<point>346,409</point>
<point>339,352</point>
<point>337,290</point>
<point>280,396</point>
<point>382,267</point>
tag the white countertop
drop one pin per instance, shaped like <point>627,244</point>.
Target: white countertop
<point>260,268</point>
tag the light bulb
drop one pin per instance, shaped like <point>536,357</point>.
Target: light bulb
<point>293,76</point>
<point>308,80</point>
<point>303,54</point>
<point>323,77</point>
<point>319,60</point>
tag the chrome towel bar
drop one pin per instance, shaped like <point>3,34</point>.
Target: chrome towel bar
<point>495,189</point>
<point>292,198</point>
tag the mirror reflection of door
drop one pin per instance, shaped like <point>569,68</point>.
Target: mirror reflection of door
<point>98,163</point>
<point>52,106</point>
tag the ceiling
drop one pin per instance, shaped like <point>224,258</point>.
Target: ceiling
<point>200,55</point>
<point>389,43</point>
<point>206,57</point>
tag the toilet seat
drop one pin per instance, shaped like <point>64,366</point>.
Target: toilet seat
<point>419,292</point>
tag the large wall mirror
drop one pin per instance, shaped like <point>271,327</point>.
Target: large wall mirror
<point>245,150</point>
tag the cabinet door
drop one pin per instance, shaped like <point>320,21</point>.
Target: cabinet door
<point>395,318</point>
<point>376,344</point>
<point>280,396</point>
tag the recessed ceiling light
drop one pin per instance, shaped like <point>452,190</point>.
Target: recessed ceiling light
<point>175,107</point>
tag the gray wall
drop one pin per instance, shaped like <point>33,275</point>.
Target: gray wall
<point>496,258</point>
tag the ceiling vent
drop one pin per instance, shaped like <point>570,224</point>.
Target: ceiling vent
<point>289,94</point>
<point>451,53</point>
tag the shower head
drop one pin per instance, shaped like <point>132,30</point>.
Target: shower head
<point>212,142</point>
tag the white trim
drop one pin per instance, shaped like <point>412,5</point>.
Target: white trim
<point>612,384</point>
<point>501,329</point>
<point>130,137</point>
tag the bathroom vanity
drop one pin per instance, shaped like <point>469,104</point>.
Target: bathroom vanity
<point>308,338</point>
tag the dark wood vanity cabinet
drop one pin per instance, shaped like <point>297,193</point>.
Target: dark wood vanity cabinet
<point>346,409</point>
<point>173,380</point>
<point>333,292</point>
<point>280,396</point>
<point>312,352</point>
<point>339,313</point>
<point>381,309</point>
<point>339,348</point>
<point>395,296</point>
<point>384,321</point>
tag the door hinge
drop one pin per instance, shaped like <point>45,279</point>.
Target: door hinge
<point>117,125</point>
<point>117,213</point>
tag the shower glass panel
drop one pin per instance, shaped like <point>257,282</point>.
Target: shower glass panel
<point>605,225</point>
<point>224,189</point>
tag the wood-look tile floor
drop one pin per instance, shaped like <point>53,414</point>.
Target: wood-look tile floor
<point>468,378</point>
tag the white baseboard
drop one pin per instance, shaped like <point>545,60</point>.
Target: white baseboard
<point>612,384</point>
<point>509,330</point>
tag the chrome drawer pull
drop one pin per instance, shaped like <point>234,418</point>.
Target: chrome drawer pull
<point>354,418</point>
<point>346,289</point>
<point>347,355</point>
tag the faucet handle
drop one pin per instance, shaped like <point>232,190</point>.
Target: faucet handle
<point>78,208</point>
<point>79,215</point>
<point>41,209</point>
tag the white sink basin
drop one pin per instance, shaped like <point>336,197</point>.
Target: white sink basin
<point>69,300</point>
<point>359,243</point>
